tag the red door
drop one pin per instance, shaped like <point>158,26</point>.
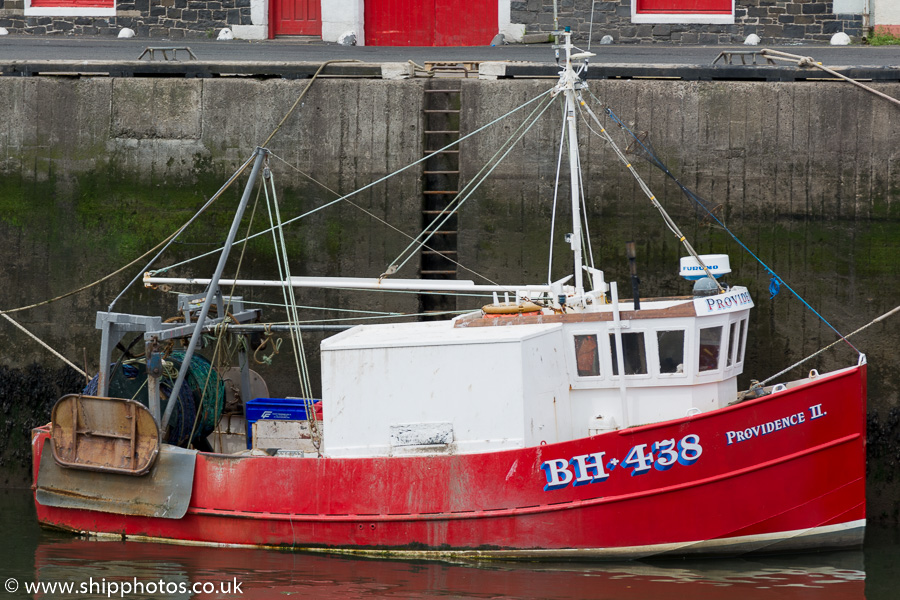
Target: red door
<point>430,22</point>
<point>73,4</point>
<point>295,17</point>
<point>684,6</point>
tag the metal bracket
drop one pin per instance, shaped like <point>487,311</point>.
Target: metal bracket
<point>152,50</point>
<point>728,56</point>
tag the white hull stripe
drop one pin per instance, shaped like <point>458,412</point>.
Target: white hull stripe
<point>847,535</point>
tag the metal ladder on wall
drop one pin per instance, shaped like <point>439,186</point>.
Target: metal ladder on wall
<point>440,185</point>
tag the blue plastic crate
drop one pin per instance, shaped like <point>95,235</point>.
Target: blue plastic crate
<point>274,409</point>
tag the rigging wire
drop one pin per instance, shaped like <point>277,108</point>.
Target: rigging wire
<point>562,139</point>
<point>290,306</point>
<point>137,260</point>
<point>654,160</point>
<point>185,226</point>
<point>474,184</point>
<point>386,223</point>
<point>670,224</point>
<point>284,273</point>
<point>586,228</point>
<point>367,186</point>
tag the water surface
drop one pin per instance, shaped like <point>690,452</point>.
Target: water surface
<point>31,554</point>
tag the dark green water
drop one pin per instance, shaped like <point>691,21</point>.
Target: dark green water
<point>31,555</point>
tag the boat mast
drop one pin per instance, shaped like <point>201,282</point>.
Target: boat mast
<point>568,84</point>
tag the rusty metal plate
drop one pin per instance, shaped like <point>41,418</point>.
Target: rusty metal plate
<point>164,492</point>
<point>103,434</point>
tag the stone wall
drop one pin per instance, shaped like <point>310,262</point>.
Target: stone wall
<point>775,21</point>
<point>171,19</point>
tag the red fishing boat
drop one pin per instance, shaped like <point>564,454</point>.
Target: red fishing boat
<point>562,423</point>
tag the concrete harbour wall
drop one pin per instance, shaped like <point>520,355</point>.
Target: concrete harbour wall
<point>95,171</point>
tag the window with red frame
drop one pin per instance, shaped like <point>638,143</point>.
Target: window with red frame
<point>704,7</point>
<point>73,4</point>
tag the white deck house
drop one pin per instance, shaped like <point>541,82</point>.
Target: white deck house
<point>478,384</point>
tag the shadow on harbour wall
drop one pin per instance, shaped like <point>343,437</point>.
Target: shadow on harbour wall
<point>95,171</point>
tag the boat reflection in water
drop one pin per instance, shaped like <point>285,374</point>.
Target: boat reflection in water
<point>268,574</point>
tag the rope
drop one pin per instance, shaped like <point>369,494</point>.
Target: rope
<point>290,306</point>
<point>365,187</point>
<point>691,195</point>
<point>39,341</point>
<point>165,242</point>
<point>834,343</point>
<point>808,61</point>
<point>95,283</point>
<point>302,94</point>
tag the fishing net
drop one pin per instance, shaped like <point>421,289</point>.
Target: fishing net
<point>210,401</point>
<point>641,146</point>
<point>129,381</point>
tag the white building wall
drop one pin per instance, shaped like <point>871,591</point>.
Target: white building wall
<point>341,16</point>
<point>885,13</point>
<point>259,16</point>
<point>849,7</point>
<point>512,31</point>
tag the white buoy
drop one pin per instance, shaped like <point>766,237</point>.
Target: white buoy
<point>606,39</point>
<point>225,35</point>
<point>3,31</point>
<point>348,38</point>
<point>840,39</point>
<point>126,33</point>
<point>752,40</point>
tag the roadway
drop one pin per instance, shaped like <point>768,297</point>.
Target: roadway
<point>107,48</point>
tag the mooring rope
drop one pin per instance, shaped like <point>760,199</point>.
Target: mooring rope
<point>42,343</point>
<point>832,344</point>
<point>808,61</point>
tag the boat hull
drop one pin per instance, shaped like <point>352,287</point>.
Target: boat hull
<point>781,473</point>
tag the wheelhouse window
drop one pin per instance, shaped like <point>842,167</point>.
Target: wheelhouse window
<point>671,351</point>
<point>731,351</point>
<point>634,354</point>
<point>710,347</point>
<point>587,355</point>
<point>743,326</point>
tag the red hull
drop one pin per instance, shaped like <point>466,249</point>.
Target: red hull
<point>782,472</point>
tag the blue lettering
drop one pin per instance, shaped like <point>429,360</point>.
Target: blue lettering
<point>557,473</point>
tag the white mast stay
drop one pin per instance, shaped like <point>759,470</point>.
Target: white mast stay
<point>569,82</point>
